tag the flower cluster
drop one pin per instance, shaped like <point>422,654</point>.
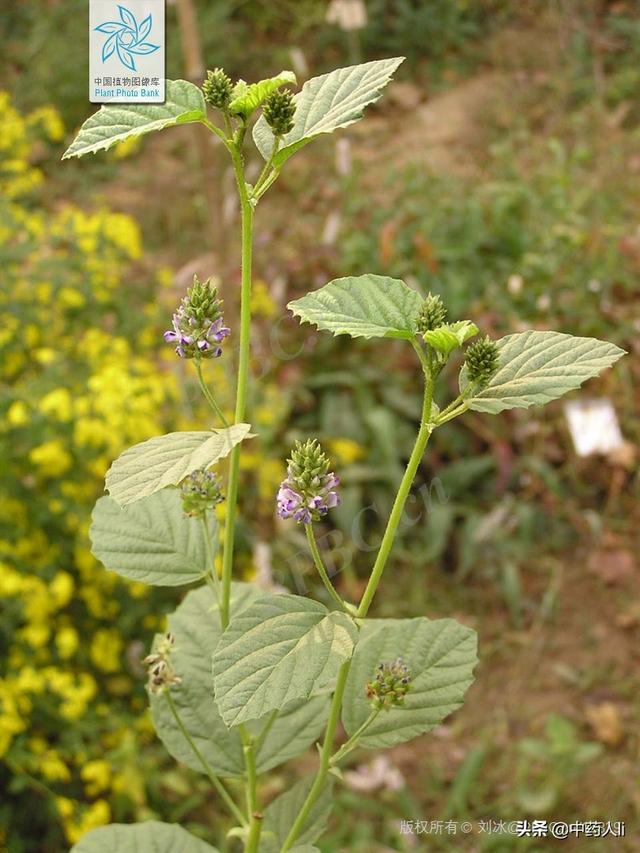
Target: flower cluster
<point>309,490</point>
<point>161,675</point>
<point>217,89</point>
<point>390,685</point>
<point>279,110</point>
<point>200,491</point>
<point>433,314</point>
<point>198,325</point>
<point>481,360</point>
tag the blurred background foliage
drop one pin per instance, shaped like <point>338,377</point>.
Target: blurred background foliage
<point>501,171</point>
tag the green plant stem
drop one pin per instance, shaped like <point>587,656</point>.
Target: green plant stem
<point>218,132</point>
<point>426,428</point>
<point>317,559</point>
<point>273,177</point>
<point>217,784</point>
<point>267,165</point>
<point>424,360</point>
<point>259,741</point>
<point>252,844</point>
<point>212,575</point>
<point>351,744</point>
<point>451,414</point>
<point>242,383</point>
<point>325,758</point>
<point>208,395</point>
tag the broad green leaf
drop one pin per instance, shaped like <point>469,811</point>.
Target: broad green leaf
<point>149,837</point>
<point>165,460</point>
<point>536,367</point>
<point>114,123</point>
<point>441,655</point>
<point>366,306</point>
<point>281,649</point>
<point>327,103</point>
<point>281,814</point>
<point>449,337</point>
<point>247,98</point>
<point>197,629</point>
<point>151,541</point>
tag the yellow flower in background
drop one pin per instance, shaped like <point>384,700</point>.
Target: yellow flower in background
<point>53,767</point>
<point>51,458</point>
<point>77,825</point>
<point>96,775</point>
<point>106,650</point>
<point>262,302</point>
<point>18,414</point>
<point>345,451</point>
<point>67,641</point>
<point>57,404</point>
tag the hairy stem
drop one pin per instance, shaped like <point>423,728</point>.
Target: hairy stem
<point>325,758</point>
<point>451,414</point>
<point>259,741</point>
<point>317,559</point>
<point>208,395</point>
<point>424,434</point>
<point>351,744</point>
<point>217,784</point>
<point>212,575</point>
<point>243,379</point>
<point>252,844</point>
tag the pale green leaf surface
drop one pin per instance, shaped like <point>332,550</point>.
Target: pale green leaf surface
<point>282,812</point>
<point>247,98</point>
<point>148,837</point>
<point>536,367</point>
<point>441,655</point>
<point>197,629</point>
<point>150,541</point>
<point>165,460</point>
<point>114,123</point>
<point>449,337</point>
<point>327,103</point>
<point>281,649</point>
<point>366,306</point>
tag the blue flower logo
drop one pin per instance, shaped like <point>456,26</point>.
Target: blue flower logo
<point>127,38</point>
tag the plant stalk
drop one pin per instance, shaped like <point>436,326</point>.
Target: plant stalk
<point>317,559</point>
<point>352,743</point>
<point>208,395</point>
<point>419,447</point>
<point>325,758</point>
<point>242,383</point>
<point>252,844</point>
<point>217,784</point>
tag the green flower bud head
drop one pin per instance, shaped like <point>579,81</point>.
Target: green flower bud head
<point>390,686</point>
<point>200,491</point>
<point>217,89</point>
<point>279,110</point>
<point>432,315</point>
<point>481,360</point>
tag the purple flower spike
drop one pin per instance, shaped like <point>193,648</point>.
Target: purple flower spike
<point>198,324</point>
<point>309,490</point>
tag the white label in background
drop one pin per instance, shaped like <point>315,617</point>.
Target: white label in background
<point>126,51</point>
<point>593,425</point>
